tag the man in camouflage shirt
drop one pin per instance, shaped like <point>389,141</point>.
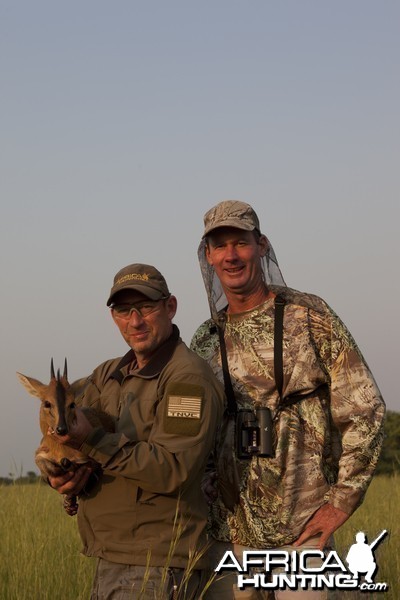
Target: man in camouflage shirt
<point>327,420</point>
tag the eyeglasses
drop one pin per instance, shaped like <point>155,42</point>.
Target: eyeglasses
<point>143,309</point>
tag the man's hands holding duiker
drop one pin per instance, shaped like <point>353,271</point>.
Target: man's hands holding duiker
<point>72,482</point>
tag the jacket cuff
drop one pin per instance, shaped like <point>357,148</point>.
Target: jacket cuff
<point>345,500</point>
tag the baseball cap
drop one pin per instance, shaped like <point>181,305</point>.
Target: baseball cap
<point>141,278</point>
<point>231,213</point>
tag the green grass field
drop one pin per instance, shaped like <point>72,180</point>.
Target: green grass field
<point>39,547</point>
<point>380,510</point>
<point>39,543</point>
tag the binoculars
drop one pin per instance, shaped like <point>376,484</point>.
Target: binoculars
<point>254,433</point>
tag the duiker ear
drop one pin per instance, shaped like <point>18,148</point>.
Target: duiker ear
<point>34,387</point>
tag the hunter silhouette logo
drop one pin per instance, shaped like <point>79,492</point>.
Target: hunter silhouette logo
<point>360,557</point>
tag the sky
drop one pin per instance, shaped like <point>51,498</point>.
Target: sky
<point>122,123</point>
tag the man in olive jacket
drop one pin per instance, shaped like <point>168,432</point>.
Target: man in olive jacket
<point>146,516</point>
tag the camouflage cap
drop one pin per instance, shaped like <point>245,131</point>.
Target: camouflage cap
<point>141,278</point>
<point>231,213</point>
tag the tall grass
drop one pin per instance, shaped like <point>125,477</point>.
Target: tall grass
<point>39,547</point>
<point>39,543</point>
<point>380,510</point>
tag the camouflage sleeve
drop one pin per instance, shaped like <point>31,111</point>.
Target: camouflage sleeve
<point>205,340</point>
<point>357,408</point>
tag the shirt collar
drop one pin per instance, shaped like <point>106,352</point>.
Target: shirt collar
<point>157,362</point>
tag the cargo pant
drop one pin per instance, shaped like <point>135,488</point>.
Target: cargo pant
<point>115,581</point>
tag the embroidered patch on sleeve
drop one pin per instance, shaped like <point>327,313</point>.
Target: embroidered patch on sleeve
<point>184,408</point>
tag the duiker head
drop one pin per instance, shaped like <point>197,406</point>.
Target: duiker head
<point>57,410</point>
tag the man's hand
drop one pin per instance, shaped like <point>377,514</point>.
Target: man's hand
<point>78,431</point>
<point>71,482</point>
<point>325,522</point>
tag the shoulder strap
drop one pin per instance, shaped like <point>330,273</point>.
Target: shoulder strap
<point>278,344</point>
<point>230,394</point>
<point>278,359</point>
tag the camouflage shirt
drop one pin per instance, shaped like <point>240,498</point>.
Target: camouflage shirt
<point>328,427</point>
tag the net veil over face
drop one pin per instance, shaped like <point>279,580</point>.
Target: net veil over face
<point>216,297</point>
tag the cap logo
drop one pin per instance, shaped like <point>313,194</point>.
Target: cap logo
<point>132,276</point>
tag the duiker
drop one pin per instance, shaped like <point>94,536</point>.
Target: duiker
<point>57,413</point>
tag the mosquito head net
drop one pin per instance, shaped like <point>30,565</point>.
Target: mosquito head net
<point>232,213</point>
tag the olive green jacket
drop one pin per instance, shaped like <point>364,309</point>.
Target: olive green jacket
<point>148,497</point>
